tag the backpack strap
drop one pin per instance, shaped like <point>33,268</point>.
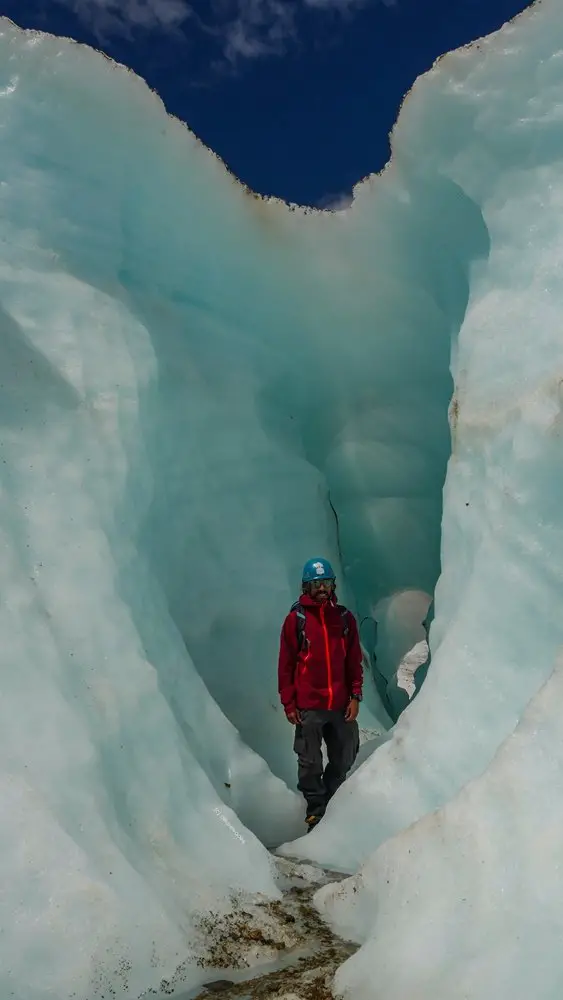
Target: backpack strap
<point>345,620</point>
<point>300,614</point>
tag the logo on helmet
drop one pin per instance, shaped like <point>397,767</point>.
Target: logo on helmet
<point>319,568</point>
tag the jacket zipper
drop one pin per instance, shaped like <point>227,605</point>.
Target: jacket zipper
<point>328,663</point>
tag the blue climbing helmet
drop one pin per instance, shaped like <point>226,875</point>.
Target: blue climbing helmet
<point>317,569</point>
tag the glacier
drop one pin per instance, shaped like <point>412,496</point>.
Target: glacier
<point>199,389</point>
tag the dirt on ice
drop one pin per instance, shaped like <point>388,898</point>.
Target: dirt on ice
<point>290,955</point>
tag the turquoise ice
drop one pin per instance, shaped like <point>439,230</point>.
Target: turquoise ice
<point>168,461</point>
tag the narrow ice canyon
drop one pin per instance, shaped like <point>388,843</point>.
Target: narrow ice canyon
<point>168,460</point>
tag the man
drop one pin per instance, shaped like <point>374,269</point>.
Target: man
<point>320,686</point>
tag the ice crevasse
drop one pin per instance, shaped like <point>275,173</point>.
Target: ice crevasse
<point>168,458</point>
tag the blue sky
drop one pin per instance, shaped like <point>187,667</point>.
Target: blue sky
<point>296,96</point>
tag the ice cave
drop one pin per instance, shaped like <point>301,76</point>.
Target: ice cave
<point>166,343</point>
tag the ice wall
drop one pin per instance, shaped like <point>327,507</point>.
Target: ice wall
<point>169,460</point>
<point>168,343</point>
<point>498,105</point>
<point>468,901</point>
<point>472,893</point>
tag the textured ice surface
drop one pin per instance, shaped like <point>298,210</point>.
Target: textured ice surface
<point>468,901</point>
<point>165,339</point>
<point>498,625</point>
<point>472,893</point>
<point>401,645</point>
<point>168,461</point>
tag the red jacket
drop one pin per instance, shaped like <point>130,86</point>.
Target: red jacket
<point>328,670</point>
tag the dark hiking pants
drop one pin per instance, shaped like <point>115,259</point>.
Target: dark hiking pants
<point>342,743</point>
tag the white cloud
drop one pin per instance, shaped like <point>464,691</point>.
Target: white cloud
<point>346,6</point>
<point>258,28</point>
<point>335,4</point>
<point>119,17</point>
<point>252,28</point>
<point>246,29</point>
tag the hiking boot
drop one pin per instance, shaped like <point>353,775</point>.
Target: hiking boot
<point>312,821</point>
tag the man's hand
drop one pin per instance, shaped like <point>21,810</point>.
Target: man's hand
<point>352,710</point>
<point>293,716</point>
